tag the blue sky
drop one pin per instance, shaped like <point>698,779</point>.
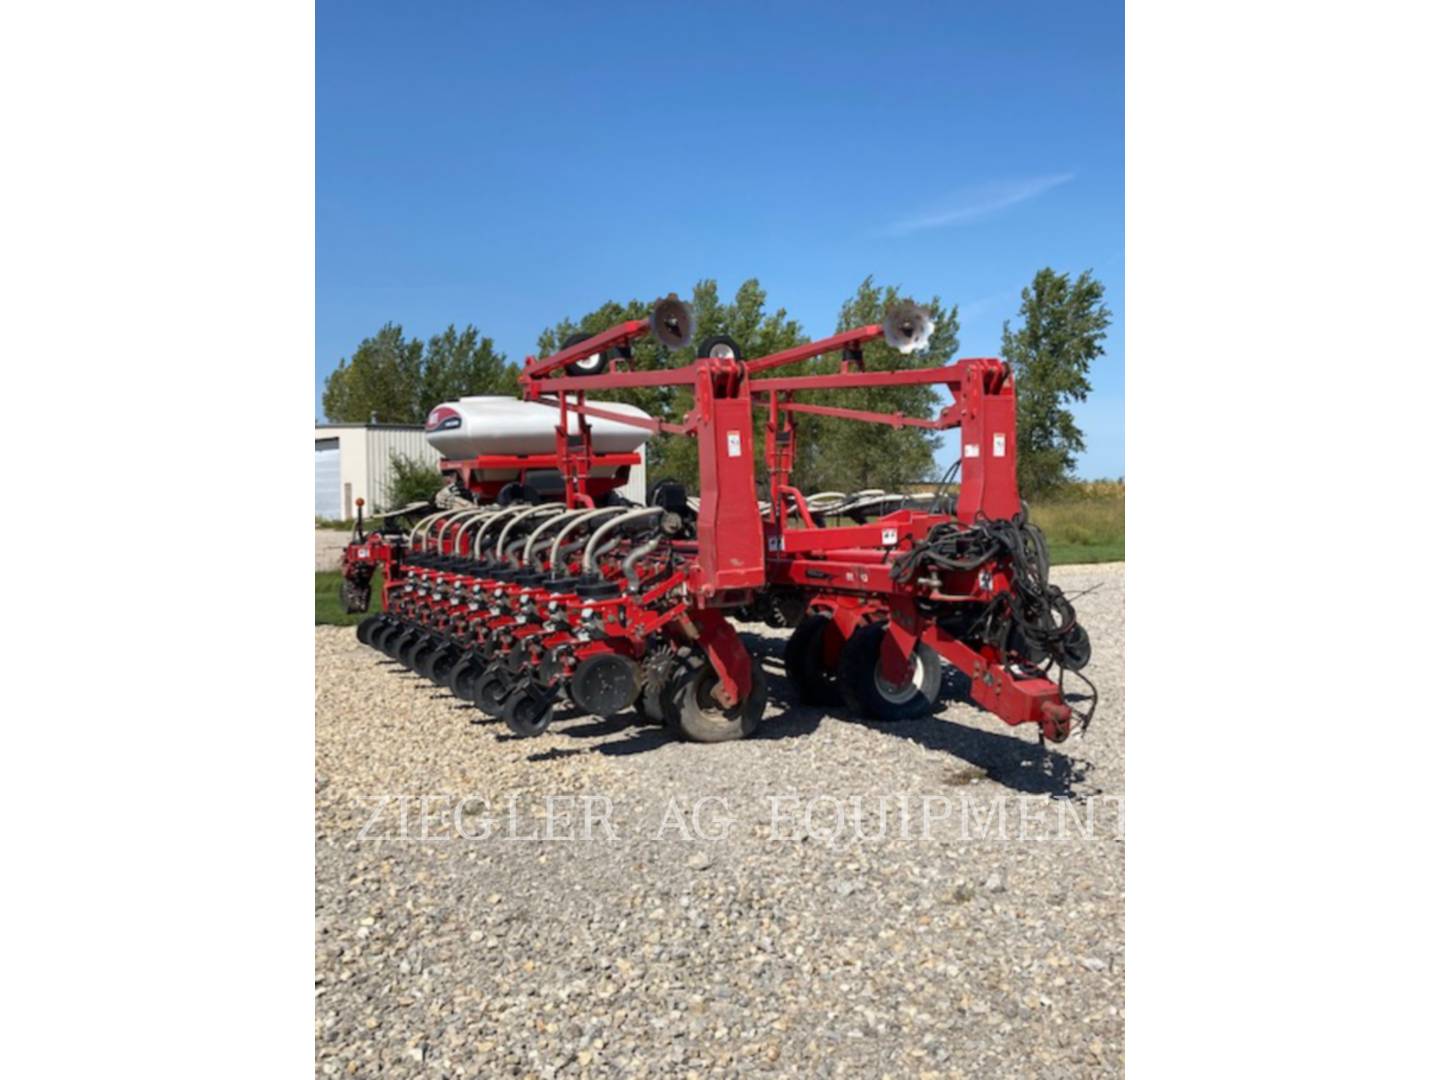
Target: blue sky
<point>506,165</point>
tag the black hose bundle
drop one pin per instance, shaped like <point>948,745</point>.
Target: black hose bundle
<point>1033,620</point>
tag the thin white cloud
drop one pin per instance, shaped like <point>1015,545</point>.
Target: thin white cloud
<point>980,202</point>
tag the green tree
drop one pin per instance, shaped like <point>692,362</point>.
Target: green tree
<point>1062,327</point>
<point>399,380</point>
<point>460,363</point>
<point>380,378</point>
<point>847,455</point>
<point>411,481</point>
<point>745,319</point>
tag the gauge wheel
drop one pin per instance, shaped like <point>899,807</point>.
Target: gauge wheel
<point>692,711</point>
<point>593,364</point>
<point>812,661</point>
<point>868,693</point>
<point>719,347</point>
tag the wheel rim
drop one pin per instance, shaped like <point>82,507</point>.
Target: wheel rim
<point>900,693</point>
<point>705,699</point>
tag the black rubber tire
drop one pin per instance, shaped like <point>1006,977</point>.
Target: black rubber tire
<point>423,662</point>
<point>650,705</point>
<point>528,711</point>
<point>377,635</point>
<point>589,366</point>
<point>392,642</point>
<point>491,690</point>
<point>691,712</point>
<point>864,690</point>
<point>815,682</point>
<point>711,346</point>
<point>406,652</point>
<point>463,676</point>
<point>655,681</point>
<point>442,660</point>
<point>420,653</point>
<point>368,626</point>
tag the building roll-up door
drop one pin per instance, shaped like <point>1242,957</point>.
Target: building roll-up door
<point>327,479</point>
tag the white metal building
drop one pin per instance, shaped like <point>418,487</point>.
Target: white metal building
<point>353,461</point>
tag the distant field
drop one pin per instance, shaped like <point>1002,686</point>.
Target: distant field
<point>1086,524</point>
<point>1083,523</point>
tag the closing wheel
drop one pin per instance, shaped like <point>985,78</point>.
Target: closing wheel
<point>420,653</point>
<point>354,597</point>
<point>491,690</point>
<point>465,672</point>
<point>691,709</point>
<point>650,705</point>
<point>868,693</point>
<point>593,364</point>
<point>396,639</point>
<point>412,647</point>
<point>367,627</point>
<point>528,711</point>
<point>380,632</point>
<point>816,680</point>
<point>437,668</point>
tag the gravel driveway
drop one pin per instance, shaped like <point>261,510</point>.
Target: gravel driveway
<point>330,547</point>
<point>832,898</point>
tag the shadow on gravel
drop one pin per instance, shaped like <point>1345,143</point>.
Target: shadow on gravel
<point>1021,764</point>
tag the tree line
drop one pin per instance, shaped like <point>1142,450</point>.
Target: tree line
<point>1060,333</point>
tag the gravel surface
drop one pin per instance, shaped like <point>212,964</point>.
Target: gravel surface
<point>330,547</point>
<point>830,898</point>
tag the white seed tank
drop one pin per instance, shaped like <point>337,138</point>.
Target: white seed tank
<point>475,426</point>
